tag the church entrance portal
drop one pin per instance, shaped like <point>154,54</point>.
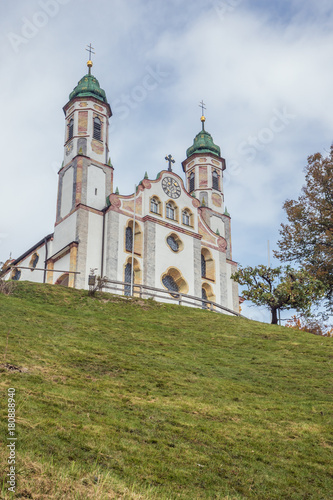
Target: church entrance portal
<point>63,280</point>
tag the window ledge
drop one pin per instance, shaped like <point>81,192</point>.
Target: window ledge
<point>135,253</point>
<point>212,280</point>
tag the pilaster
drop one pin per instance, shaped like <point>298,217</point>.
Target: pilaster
<point>49,274</point>
<point>197,267</point>
<point>82,228</point>
<point>223,280</point>
<point>72,265</point>
<point>235,295</point>
<point>112,245</point>
<point>149,253</point>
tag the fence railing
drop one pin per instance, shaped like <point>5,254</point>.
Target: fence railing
<point>146,292</point>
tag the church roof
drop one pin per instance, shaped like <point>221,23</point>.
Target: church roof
<point>28,252</point>
<point>88,86</point>
<point>203,143</point>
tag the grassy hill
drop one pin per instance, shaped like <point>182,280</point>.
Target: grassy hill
<point>120,398</point>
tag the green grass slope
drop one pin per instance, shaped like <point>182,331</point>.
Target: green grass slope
<point>133,399</point>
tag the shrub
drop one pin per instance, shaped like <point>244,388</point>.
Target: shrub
<point>310,325</point>
<point>6,287</point>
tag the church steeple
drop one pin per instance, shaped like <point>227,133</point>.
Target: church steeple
<point>204,168</point>
<point>86,176</point>
<point>87,119</point>
<point>89,86</point>
<point>203,141</point>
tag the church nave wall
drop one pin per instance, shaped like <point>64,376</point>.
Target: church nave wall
<point>181,259</point>
<point>94,245</point>
<point>64,233</point>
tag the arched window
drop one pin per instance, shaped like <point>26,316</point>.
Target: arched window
<point>63,280</point>
<point>137,276</point>
<point>173,281</point>
<point>97,128</point>
<point>127,279</point>
<point>33,261</point>
<point>138,238</point>
<point>170,211</point>
<point>204,297</point>
<point>207,293</point>
<point>192,179</point>
<point>16,274</point>
<point>207,265</point>
<point>203,266</point>
<point>186,217</point>
<point>154,205</point>
<point>173,243</point>
<point>170,283</point>
<point>215,177</point>
<point>70,129</point>
<point>129,239</point>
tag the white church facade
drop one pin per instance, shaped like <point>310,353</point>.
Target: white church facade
<point>172,234</point>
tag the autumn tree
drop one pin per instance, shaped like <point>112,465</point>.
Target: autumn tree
<point>279,288</point>
<point>310,325</point>
<point>308,237</point>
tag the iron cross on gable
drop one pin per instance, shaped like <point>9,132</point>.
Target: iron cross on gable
<point>170,160</point>
<point>90,49</point>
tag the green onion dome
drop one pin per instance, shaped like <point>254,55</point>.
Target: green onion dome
<point>203,143</point>
<point>88,86</point>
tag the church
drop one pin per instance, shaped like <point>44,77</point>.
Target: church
<point>172,234</point>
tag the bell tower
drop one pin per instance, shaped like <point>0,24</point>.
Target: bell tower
<point>85,181</point>
<point>203,169</point>
<point>86,176</point>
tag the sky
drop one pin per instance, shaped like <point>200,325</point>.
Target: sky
<point>264,70</point>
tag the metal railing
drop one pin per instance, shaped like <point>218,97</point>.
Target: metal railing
<point>146,292</point>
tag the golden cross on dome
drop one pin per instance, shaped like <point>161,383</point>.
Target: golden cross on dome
<point>90,49</point>
<point>202,105</point>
